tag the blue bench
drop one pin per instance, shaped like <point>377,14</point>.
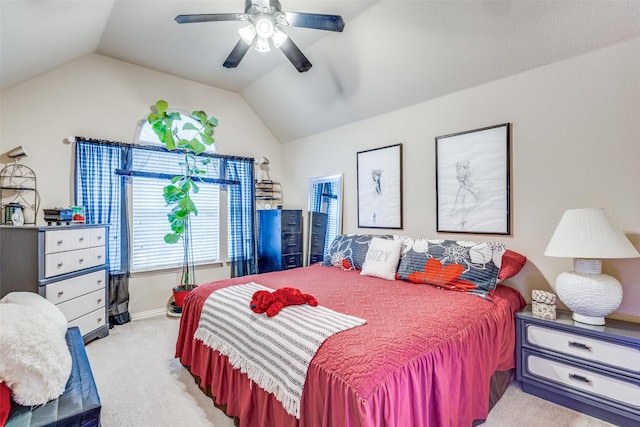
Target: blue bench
<point>79,405</point>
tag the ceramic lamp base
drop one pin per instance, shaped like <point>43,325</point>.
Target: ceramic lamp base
<point>589,320</point>
<point>591,297</point>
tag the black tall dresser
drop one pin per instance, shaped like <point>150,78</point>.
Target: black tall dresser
<point>279,239</point>
<point>317,236</point>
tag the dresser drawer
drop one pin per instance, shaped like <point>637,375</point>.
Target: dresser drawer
<point>72,239</point>
<point>599,351</point>
<point>64,290</point>
<point>291,243</point>
<point>316,243</point>
<point>319,222</point>
<point>82,305</point>
<point>59,263</point>
<point>584,380</point>
<point>291,221</point>
<point>90,322</point>
<point>291,261</point>
<point>314,258</point>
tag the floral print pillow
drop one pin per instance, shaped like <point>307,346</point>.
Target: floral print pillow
<point>348,251</point>
<point>464,266</point>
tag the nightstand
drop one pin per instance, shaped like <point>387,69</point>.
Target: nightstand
<point>591,369</point>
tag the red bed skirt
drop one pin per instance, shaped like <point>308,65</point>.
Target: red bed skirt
<point>441,388</point>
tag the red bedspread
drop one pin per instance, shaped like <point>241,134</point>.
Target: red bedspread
<point>425,356</point>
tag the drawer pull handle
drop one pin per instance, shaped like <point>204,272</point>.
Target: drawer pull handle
<point>81,239</point>
<point>60,293</point>
<point>579,345</point>
<point>580,378</point>
<point>59,265</point>
<point>99,281</point>
<point>99,301</point>
<point>99,256</point>
<point>100,237</point>
<point>99,319</point>
<point>81,260</point>
<point>59,242</point>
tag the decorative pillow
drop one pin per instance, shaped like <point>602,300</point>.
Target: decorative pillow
<point>34,359</point>
<point>512,263</point>
<point>382,258</point>
<point>465,266</point>
<point>46,307</point>
<point>348,251</point>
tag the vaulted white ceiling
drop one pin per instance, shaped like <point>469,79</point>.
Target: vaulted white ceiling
<point>392,53</point>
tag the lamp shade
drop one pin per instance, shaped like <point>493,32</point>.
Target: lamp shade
<point>588,233</point>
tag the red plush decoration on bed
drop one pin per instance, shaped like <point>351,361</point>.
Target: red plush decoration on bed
<point>272,302</point>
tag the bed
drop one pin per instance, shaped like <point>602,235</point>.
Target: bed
<point>426,355</point>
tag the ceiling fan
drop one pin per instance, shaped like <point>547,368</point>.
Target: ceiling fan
<point>266,20</point>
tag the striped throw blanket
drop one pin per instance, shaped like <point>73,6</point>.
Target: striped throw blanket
<point>274,352</point>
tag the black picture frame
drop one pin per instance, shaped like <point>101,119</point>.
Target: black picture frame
<point>379,177</point>
<point>473,190</point>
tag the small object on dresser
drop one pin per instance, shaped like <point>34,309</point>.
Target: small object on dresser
<point>543,304</point>
<point>58,216</point>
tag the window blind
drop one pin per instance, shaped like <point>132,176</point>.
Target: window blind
<point>149,215</point>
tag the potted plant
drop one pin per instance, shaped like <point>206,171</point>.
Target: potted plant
<point>177,194</point>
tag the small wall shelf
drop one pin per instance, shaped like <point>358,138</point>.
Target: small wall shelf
<point>18,185</point>
<point>268,194</point>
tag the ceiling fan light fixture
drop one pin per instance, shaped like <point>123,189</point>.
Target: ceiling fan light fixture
<point>247,34</point>
<point>278,37</point>
<point>264,27</point>
<point>262,45</point>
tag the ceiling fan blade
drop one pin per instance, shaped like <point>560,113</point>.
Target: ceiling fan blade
<point>295,55</point>
<point>209,17</point>
<point>315,21</point>
<point>236,54</point>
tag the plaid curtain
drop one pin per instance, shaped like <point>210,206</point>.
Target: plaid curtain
<point>242,225</point>
<point>103,194</point>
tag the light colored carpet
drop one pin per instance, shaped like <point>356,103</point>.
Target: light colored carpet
<point>141,384</point>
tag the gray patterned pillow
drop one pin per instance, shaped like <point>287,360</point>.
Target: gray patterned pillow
<point>348,251</point>
<point>464,266</point>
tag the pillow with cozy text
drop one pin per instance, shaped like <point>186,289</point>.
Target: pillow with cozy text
<point>382,258</point>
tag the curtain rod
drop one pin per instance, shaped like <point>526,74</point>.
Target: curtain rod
<point>156,148</point>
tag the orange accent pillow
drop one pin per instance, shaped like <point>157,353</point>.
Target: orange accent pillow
<point>512,263</point>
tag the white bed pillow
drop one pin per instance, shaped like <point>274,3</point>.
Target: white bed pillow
<point>46,307</point>
<point>35,362</point>
<point>382,258</point>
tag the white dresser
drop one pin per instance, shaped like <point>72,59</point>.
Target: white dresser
<point>592,369</point>
<point>68,265</point>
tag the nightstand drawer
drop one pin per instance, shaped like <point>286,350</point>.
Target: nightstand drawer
<point>584,380</point>
<point>585,348</point>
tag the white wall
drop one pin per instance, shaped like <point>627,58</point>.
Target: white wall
<point>575,143</point>
<point>98,97</point>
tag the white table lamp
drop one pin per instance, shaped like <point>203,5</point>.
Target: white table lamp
<point>588,236</point>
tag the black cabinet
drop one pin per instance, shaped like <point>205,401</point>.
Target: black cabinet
<point>317,236</point>
<point>279,239</point>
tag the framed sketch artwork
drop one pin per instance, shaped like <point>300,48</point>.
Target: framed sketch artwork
<point>472,181</point>
<point>380,187</point>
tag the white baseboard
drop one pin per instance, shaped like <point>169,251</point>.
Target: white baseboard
<point>150,313</point>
